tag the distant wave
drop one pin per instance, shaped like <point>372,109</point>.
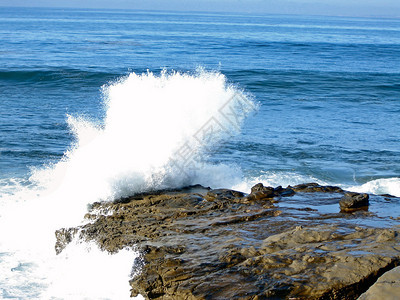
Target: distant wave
<point>54,75</point>
<point>358,83</point>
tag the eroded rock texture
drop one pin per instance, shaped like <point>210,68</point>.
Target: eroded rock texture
<point>387,287</point>
<point>275,243</point>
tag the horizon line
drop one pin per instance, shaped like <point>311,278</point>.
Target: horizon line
<point>244,13</point>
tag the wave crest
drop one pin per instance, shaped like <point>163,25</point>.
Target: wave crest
<point>157,133</point>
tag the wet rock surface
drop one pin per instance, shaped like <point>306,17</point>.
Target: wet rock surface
<point>274,243</point>
<point>315,188</point>
<point>353,201</point>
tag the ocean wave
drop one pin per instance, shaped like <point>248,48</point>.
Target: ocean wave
<point>380,186</point>
<point>390,186</point>
<point>54,75</point>
<point>157,133</point>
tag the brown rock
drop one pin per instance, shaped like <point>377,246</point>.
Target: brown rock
<point>198,243</point>
<point>353,201</point>
<point>387,287</point>
<point>313,187</point>
<point>261,192</point>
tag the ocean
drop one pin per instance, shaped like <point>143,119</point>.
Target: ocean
<point>101,104</point>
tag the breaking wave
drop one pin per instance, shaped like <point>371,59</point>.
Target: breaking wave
<point>157,133</point>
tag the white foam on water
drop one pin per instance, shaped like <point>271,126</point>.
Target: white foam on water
<point>380,186</point>
<point>389,186</point>
<point>157,132</point>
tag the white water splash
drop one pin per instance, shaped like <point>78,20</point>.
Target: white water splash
<point>389,186</point>
<point>156,131</point>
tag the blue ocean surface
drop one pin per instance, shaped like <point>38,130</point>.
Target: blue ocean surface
<point>327,91</point>
<point>328,86</point>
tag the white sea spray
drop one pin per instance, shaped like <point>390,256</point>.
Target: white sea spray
<point>157,133</point>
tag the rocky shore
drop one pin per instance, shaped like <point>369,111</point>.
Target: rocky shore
<point>302,242</point>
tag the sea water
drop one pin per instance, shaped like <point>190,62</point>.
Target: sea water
<point>99,104</point>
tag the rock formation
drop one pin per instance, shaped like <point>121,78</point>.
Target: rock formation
<point>387,287</point>
<point>274,243</point>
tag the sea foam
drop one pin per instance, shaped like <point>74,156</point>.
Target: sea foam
<point>389,186</point>
<point>380,186</point>
<point>157,132</point>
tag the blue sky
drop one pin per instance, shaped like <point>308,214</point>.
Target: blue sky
<point>387,8</point>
